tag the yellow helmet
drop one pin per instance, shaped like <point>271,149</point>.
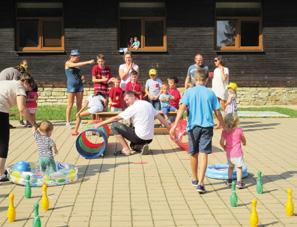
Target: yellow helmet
<point>233,86</point>
<point>152,72</point>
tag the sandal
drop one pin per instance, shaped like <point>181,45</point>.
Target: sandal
<point>122,152</point>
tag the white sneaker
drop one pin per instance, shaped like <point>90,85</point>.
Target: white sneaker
<point>68,125</point>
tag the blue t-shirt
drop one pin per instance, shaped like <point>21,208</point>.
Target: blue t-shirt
<point>165,103</point>
<point>193,69</point>
<point>201,102</point>
<point>153,86</point>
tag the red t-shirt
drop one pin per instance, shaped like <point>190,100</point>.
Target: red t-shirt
<point>99,73</point>
<point>135,87</point>
<point>175,101</point>
<point>31,99</point>
<point>116,96</point>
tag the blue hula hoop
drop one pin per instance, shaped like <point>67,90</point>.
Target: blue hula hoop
<point>96,152</point>
<point>220,171</point>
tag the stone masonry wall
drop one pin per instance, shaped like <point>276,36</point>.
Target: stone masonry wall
<point>246,96</point>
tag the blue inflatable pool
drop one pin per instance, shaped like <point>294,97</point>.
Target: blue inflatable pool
<point>220,171</point>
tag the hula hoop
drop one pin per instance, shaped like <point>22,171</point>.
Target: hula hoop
<point>90,152</point>
<point>66,174</point>
<point>220,171</point>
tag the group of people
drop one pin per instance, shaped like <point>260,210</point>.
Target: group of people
<point>126,96</point>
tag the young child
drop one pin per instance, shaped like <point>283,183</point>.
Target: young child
<point>231,105</point>
<point>136,44</point>
<point>116,96</point>
<point>231,139</point>
<point>95,104</point>
<point>46,147</point>
<point>152,88</point>
<point>31,103</point>
<point>134,85</point>
<point>172,81</point>
<point>165,98</point>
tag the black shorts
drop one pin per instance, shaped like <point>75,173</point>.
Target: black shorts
<point>4,134</point>
<point>128,133</point>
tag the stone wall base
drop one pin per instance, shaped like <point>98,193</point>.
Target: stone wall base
<point>259,96</point>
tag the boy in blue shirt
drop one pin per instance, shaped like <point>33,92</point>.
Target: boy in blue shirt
<point>201,102</point>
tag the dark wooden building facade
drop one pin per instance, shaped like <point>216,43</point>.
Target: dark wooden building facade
<point>257,39</point>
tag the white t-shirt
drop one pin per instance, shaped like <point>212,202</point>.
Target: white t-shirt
<point>95,101</point>
<point>142,115</point>
<point>219,86</point>
<point>125,69</point>
<point>9,90</point>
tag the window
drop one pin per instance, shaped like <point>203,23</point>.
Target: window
<point>239,26</point>
<point>146,21</point>
<point>39,26</point>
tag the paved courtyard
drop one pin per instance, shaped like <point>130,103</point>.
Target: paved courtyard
<point>155,190</point>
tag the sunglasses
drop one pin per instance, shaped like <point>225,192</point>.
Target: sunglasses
<point>215,60</point>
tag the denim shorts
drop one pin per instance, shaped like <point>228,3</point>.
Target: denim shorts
<point>74,87</point>
<point>167,109</point>
<point>200,140</point>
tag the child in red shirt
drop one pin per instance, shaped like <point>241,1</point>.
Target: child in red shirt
<point>172,81</point>
<point>116,97</point>
<point>101,76</point>
<point>31,103</point>
<point>134,85</point>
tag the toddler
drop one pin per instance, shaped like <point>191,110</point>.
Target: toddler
<point>152,89</point>
<point>231,105</point>
<point>116,97</point>
<point>136,44</point>
<point>172,81</point>
<point>134,85</point>
<point>46,147</point>
<point>31,103</point>
<point>165,98</point>
<point>95,104</point>
<point>231,139</point>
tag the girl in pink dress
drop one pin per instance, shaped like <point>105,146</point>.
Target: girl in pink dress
<point>31,103</point>
<point>231,139</point>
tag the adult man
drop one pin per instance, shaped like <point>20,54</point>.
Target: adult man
<point>141,133</point>
<point>197,67</point>
<point>12,92</point>
<point>201,102</point>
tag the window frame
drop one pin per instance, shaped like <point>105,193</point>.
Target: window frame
<point>143,48</point>
<point>40,46</point>
<point>238,46</point>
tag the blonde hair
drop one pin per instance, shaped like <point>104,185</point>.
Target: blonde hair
<point>46,126</point>
<point>231,121</point>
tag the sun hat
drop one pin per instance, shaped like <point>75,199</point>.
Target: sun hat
<point>233,86</point>
<point>74,52</point>
<point>152,72</point>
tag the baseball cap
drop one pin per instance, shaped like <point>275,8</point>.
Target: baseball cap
<point>153,72</point>
<point>74,52</point>
<point>233,86</point>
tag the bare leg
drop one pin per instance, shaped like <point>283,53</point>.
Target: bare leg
<point>230,171</point>
<point>78,120</point>
<point>70,100</point>
<point>194,166</point>
<point>223,104</point>
<point>239,174</point>
<point>202,167</point>
<point>123,142</point>
<point>79,98</point>
<point>2,165</point>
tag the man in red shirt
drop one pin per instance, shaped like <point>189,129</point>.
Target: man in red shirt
<point>101,76</point>
<point>134,85</point>
<point>116,97</point>
<point>172,81</point>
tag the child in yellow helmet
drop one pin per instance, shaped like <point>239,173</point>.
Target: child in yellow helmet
<point>153,89</point>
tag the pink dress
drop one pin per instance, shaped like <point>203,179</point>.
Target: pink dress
<point>233,142</point>
<point>31,100</point>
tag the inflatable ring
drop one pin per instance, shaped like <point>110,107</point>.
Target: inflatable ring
<point>180,132</point>
<point>220,171</point>
<point>66,174</point>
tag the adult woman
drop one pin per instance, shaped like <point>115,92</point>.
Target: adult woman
<point>14,73</point>
<point>126,69</point>
<point>12,92</point>
<point>220,81</point>
<point>75,81</point>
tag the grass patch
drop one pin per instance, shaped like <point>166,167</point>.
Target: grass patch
<point>282,110</point>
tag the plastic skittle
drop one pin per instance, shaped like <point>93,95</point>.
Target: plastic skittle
<point>11,213</point>
<point>44,199</point>
<point>290,204</point>
<point>36,219</point>
<point>254,220</point>
<point>259,186</point>
<point>233,197</point>
<point>28,190</point>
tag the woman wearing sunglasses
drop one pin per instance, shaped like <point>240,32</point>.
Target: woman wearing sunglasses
<point>220,81</point>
